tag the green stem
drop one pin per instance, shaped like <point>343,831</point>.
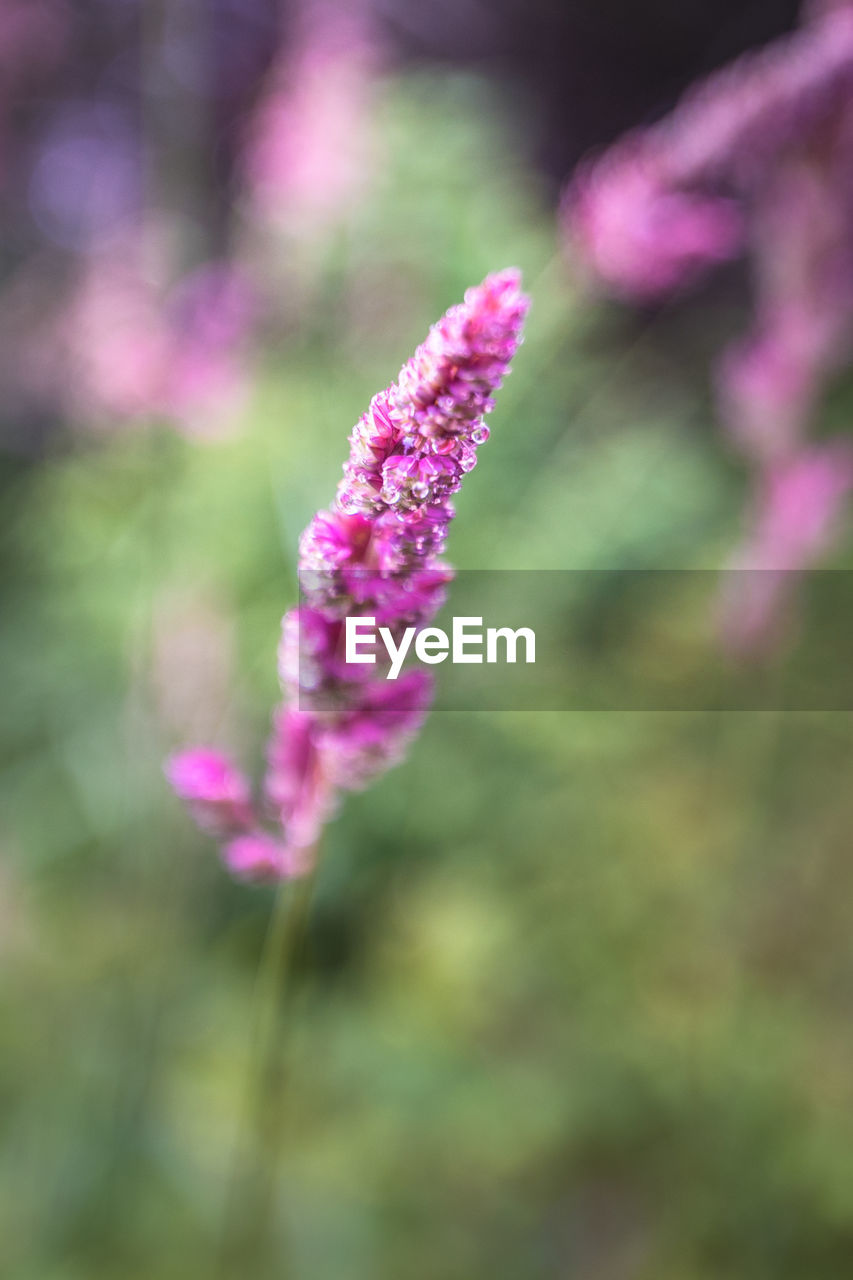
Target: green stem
<point>248,1236</point>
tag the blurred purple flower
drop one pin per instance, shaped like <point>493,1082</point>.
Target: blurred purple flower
<point>376,554</point>
<point>86,184</point>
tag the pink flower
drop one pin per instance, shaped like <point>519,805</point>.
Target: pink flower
<point>216,793</point>
<point>376,553</point>
<point>334,539</point>
<point>420,436</point>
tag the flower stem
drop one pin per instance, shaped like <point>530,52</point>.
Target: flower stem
<point>248,1235</point>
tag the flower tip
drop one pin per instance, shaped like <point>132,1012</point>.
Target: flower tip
<point>505,287</point>
<point>509,277</point>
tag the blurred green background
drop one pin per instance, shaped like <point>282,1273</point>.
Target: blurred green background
<point>574,993</point>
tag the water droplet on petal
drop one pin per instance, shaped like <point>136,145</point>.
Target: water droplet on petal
<point>444,445</point>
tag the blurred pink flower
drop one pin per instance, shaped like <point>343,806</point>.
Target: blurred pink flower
<point>770,385</point>
<point>135,350</point>
<point>668,192</point>
<point>767,142</point>
<point>258,857</point>
<point>797,509</point>
<point>798,503</point>
<point>766,391</point>
<point>214,790</point>
<point>639,234</point>
<point>116,343</point>
<point>210,314</point>
<point>309,149</point>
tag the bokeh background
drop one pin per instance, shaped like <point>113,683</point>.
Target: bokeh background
<point>574,996</point>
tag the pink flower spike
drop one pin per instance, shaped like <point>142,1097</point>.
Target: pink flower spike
<point>261,859</point>
<point>217,795</point>
<point>439,399</point>
<point>374,554</point>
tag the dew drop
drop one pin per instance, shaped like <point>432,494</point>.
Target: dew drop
<point>444,446</point>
